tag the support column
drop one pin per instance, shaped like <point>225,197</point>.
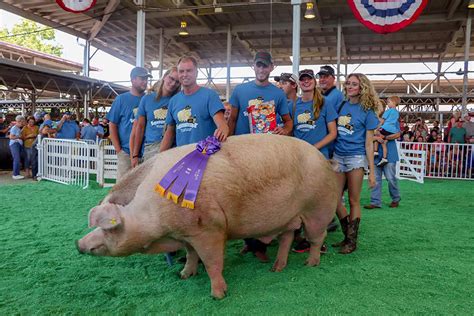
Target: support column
<point>86,59</point>
<point>438,90</point>
<point>339,41</point>
<point>296,34</point>
<point>229,48</point>
<point>162,50</point>
<point>140,54</point>
<point>467,46</point>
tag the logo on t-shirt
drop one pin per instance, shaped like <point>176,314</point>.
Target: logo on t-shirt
<point>262,115</point>
<point>305,123</point>
<point>186,120</point>
<point>344,125</point>
<point>160,116</point>
<point>135,111</point>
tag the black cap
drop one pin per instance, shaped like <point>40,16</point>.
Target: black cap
<point>326,70</point>
<point>139,72</point>
<point>306,72</point>
<point>264,58</point>
<point>287,77</point>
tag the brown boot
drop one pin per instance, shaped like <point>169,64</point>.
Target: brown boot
<point>352,232</point>
<point>344,224</point>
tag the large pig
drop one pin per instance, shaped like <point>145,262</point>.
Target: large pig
<point>255,186</point>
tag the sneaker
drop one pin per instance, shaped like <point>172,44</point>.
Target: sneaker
<point>382,162</point>
<point>302,246</point>
<point>18,177</point>
<point>376,153</point>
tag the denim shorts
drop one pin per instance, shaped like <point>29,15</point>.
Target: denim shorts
<point>348,163</point>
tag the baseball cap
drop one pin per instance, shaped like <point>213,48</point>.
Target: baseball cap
<point>287,77</point>
<point>139,72</point>
<point>264,58</point>
<point>326,70</point>
<point>306,72</point>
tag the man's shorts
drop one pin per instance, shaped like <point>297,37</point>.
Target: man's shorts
<point>348,163</point>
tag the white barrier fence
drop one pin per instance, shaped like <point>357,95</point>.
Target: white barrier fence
<point>440,160</point>
<point>64,161</point>
<point>71,162</point>
<point>411,164</point>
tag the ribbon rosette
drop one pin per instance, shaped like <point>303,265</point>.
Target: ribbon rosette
<point>187,173</point>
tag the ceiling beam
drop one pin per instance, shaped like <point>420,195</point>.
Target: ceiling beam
<point>108,11</point>
<point>453,5</point>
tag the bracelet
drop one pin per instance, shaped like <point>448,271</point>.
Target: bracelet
<point>136,156</point>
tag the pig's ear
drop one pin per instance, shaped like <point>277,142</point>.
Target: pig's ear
<point>105,216</point>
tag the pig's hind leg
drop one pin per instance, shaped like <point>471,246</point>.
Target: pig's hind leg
<point>315,232</point>
<point>284,245</point>
<point>192,262</point>
<point>210,248</point>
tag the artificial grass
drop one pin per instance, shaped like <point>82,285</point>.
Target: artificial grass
<point>416,259</point>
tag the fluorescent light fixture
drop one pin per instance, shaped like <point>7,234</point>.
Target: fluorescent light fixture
<point>155,63</point>
<point>471,4</point>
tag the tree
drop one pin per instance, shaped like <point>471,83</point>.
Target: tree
<point>32,36</point>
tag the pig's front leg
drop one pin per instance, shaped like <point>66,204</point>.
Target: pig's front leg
<point>315,233</point>
<point>284,246</point>
<point>210,248</point>
<point>192,261</point>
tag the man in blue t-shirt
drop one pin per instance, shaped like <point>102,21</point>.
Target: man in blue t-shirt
<point>121,116</point>
<point>259,91</point>
<point>332,96</point>
<point>390,172</point>
<point>88,131</point>
<point>67,128</point>
<point>194,113</point>
<point>288,82</point>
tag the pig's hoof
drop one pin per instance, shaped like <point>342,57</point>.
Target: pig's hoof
<point>278,266</point>
<point>219,294</point>
<point>187,273</point>
<point>312,262</point>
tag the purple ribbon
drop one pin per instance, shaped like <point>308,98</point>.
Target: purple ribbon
<point>188,172</point>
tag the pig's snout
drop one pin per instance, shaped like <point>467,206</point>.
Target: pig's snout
<point>79,248</point>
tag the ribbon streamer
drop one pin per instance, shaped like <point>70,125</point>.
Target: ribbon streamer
<point>187,173</point>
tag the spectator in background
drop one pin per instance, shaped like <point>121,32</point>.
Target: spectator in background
<point>469,127</point>
<point>407,135</point>
<point>420,126</point>
<point>451,123</point>
<point>28,135</point>
<point>105,126</point>
<point>88,131</point>
<point>435,127</point>
<point>98,128</point>
<point>457,134</point>
<point>4,127</point>
<point>16,146</point>
<point>67,128</point>
<point>433,136</point>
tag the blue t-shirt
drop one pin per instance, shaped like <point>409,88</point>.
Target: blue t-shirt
<point>99,129</point>
<point>333,97</point>
<point>88,132</point>
<point>16,131</point>
<point>193,115</point>
<point>392,153</point>
<point>122,113</point>
<point>155,113</point>
<point>290,111</point>
<point>352,125</point>
<point>246,93</point>
<point>309,130</point>
<point>68,130</point>
<point>390,123</point>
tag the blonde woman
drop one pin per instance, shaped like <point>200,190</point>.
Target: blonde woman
<point>354,151</point>
<point>151,116</point>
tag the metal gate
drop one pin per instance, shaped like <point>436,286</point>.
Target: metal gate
<point>411,164</point>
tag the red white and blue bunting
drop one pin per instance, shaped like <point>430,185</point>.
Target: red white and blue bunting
<point>387,16</point>
<point>76,6</point>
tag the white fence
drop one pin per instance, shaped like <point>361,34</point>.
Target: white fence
<point>411,164</point>
<point>64,161</point>
<point>71,162</point>
<point>441,160</point>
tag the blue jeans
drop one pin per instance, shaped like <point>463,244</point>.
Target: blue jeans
<point>15,149</point>
<point>389,170</point>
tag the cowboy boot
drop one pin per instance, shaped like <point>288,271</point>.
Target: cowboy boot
<point>344,224</point>
<point>352,232</point>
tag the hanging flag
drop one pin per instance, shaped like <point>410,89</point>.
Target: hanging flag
<point>387,16</point>
<point>76,6</point>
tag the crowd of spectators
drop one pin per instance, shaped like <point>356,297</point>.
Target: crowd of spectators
<point>23,133</point>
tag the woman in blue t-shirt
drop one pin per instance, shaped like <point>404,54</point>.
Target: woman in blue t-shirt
<point>150,120</point>
<point>354,151</point>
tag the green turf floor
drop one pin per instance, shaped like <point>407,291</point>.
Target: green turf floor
<point>417,259</point>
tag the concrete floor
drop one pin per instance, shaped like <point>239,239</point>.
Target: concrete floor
<point>6,178</point>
